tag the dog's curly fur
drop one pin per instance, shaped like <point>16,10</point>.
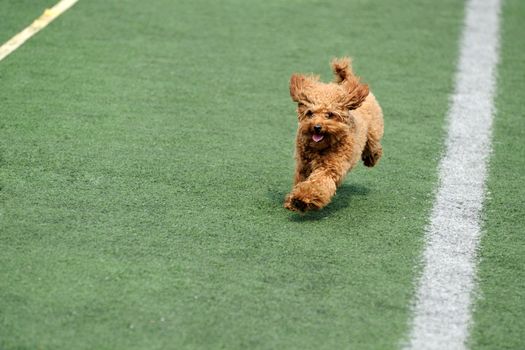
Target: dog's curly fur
<point>339,123</point>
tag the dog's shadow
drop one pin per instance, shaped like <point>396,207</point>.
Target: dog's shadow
<point>341,200</point>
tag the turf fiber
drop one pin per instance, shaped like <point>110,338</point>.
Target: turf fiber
<point>145,154</point>
<point>16,15</point>
<point>499,318</point>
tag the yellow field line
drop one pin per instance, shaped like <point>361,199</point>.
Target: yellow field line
<point>40,23</point>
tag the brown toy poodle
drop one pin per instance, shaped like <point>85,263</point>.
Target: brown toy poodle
<point>339,123</point>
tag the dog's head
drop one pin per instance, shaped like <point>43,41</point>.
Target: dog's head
<point>324,109</point>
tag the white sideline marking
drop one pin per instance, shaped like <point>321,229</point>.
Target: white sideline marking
<point>442,307</point>
<point>41,22</point>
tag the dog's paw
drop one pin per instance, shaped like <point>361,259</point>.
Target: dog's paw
<point>288,203</point>
<point>301,205</point>
<point>371,158</point>
<point>368,160</point>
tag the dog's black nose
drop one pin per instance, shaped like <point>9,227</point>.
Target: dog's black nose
<point>317,128</point>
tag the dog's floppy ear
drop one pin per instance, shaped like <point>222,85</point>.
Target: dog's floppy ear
<point>342,69</point>
<point>355,92</point>
<point>298,84</point>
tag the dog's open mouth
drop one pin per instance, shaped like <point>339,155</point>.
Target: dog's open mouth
<point>317,137</point>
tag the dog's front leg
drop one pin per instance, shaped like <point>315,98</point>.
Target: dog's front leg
<point>300,175</point>
<point>315,192</point>
<point>301,171</point>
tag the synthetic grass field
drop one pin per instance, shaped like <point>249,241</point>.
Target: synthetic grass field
<point>146,149</point>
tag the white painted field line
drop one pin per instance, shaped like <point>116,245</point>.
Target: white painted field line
<point>47,17</point>
<point>442,309</point>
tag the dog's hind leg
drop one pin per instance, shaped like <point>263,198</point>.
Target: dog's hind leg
<point>371,113</point>
<point>372,151</point>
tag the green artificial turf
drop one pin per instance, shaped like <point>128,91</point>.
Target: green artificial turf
<point>16,15</point>
<point>145,153</point>
<point>499,318</point>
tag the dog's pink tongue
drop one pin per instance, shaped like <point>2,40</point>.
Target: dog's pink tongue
<point>317,137</point>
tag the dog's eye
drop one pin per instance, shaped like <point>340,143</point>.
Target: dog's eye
<point>309,114</point>
<point>330,115</point>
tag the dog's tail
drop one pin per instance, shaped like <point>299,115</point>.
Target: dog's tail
<point>357,91</point>
<point>342,68</point>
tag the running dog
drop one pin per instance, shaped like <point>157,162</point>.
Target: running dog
<point>339,123</point>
